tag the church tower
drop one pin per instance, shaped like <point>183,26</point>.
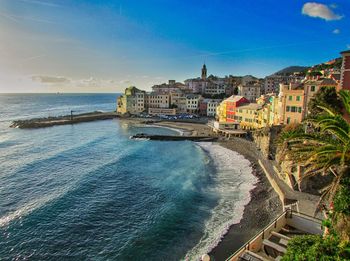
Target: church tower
<point>204,72</point>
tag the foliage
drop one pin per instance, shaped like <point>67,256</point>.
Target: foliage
<point>342,198</point>
<point>325,97</point>
<point>215,96</point>
<point>314,73</point>
<point>324,147</point>
<point>235,90</point>
<point>314,247</point>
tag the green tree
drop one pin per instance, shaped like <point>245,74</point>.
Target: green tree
<point>325,97</point>
<point>325,146</point>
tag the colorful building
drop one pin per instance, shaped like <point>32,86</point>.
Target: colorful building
<point>132,101</point>
<point>226,111</point>
<point>247,115</point>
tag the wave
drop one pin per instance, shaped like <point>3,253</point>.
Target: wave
<point>234,180</point>
<point>181,132</point>
<point>62,190</point>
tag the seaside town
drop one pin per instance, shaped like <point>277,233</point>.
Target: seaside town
<point>285,115</point>
<point>175,130</point>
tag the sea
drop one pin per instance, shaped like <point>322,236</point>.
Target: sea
<point>89,192</point>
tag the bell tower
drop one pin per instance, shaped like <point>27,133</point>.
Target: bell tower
<point>204,72</point>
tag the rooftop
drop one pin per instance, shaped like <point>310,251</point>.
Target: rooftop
<point>250,106</point>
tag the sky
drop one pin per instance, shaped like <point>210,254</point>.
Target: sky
<point>106,46</point>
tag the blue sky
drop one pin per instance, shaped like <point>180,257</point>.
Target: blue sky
<point>104,46</point>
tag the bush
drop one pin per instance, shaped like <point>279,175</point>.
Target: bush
<point>315,248</point>
<point>342,198</point>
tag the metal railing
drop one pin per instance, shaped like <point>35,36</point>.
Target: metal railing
<point>288,213</point>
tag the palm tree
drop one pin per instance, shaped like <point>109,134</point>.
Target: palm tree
<point>324,147</point>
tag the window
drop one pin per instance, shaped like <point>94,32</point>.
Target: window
<point>294,109</point>
<point>313,88</point>
<point>299,109</point>
<point>288,108</point>
<point>288,120</point>
<point>298,98</point>
<point>290,98</point>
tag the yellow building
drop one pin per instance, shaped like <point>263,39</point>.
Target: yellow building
<point>221,112</point>
<point>247,115</point>
<point>292,103</point>
<point>132,101</point>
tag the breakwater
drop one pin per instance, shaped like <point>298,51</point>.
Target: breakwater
<point>62,120</point>
<point>174,138</point>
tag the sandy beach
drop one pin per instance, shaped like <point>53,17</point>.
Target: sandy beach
<point>264,205</point>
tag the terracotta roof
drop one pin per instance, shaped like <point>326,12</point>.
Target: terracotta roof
<point>328,81</point>
<point>234,98</point>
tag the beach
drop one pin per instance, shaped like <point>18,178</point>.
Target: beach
<point>264,205</point>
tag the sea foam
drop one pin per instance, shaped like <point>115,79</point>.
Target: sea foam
<point>234,180</point>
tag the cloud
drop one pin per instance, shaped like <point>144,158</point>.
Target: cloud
<point>37,2</point>
<point>348,46</point>
<point>50,79</point>
<point>318,10</point>
<point>336,31</point>
<point>125,82</point>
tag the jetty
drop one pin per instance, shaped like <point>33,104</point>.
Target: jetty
<point>142,136</point>
<point>63,120</point>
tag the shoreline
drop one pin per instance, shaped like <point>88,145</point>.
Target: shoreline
<point>264,204</point>
<point>262,208</point>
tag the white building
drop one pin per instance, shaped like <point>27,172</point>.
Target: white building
<point>192,102</point>
<point>249,91</point>
<point>211,107</point>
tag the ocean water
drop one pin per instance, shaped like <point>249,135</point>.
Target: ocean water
<point>88,192</point>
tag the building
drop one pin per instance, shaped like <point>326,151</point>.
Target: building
<point>192,103</point>
<point>211,107</point>
<point>226,111</point>
<point>132,101</point>
<point>247,115</point>
<point>156,100</point>
<point>345,71</point>
<point>217,86</point>
<point>178,101</point>
<point>170,87</point>
<point>292,103</point>
<point>204,72</point>
<point>272,82</point>
<point>250,90</point>
<point>196,85</point>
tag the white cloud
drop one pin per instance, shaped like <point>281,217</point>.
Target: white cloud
<point>318,10</point>
<point>336,31</point>
<point>50,79</point>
